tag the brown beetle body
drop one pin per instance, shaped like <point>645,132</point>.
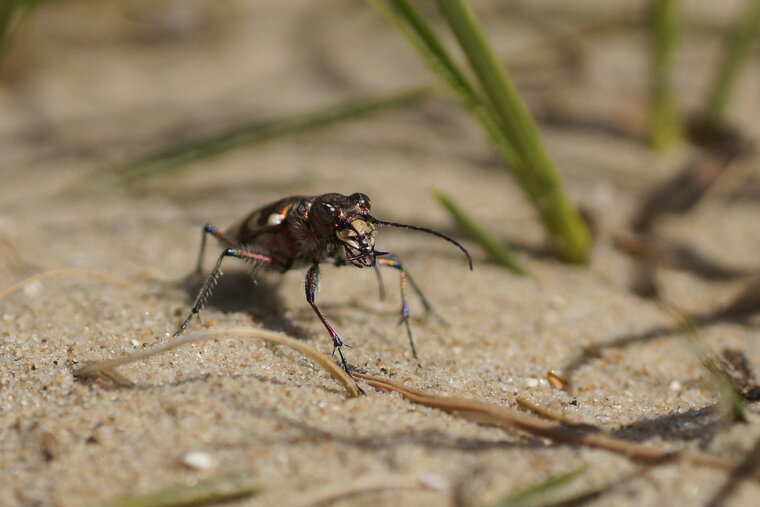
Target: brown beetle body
<point>302,231</point>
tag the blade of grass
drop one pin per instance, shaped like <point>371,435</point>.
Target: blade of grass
<point>410,23</point>
<point>665,27</point>
<point>175,158</point>
<point>540,493</point>
<point>736,52</point>
<point>497,251</point>
<point>10,12</point>
<point>217,489</point>
<point>536,172</point>
<point>568,232</point>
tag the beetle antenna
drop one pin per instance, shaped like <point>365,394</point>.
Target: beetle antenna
<point>425,229</point>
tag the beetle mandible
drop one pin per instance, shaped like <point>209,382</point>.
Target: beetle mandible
<point>302,231</point>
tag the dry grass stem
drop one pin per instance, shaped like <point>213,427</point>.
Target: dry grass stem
<point>108,365</point>
<point>63,273</point>
<point>493,415</point>
<point>547,414</point>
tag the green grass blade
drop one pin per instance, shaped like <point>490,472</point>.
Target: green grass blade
<point>536,171</point>
<point>497,251</point>
<point>410,23</point>
<point>737,50</point>
<point>214,490</point>
<point>539,494</point>
<point>665,27</point>
<point>176,158</point>
<point>10,12</point>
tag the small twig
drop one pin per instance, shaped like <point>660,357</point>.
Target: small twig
<point>549,415</point>
<point>60,273</point>
<point>352,390</point>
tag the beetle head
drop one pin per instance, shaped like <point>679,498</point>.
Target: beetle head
<point>345,220</point>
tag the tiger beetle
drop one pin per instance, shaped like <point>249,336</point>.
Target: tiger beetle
<point>302,231</point>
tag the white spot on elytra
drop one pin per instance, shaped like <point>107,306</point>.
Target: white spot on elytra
<point>274,219</point>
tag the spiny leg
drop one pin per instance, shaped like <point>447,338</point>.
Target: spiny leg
<point>211,229</point>
<point>212,278</point>
<point>311,286</point>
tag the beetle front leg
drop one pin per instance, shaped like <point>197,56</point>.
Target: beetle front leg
<point>406,280</point>
<point>311,285</point>
<point>213,277</point>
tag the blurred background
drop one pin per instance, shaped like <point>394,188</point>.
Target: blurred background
<point>126,126</point>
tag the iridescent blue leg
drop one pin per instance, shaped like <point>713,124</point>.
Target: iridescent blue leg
<point>392,261</point>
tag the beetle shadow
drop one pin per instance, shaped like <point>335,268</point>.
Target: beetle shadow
<point>252,293</point>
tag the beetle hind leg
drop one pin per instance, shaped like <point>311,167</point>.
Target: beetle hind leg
<point>213,277</point>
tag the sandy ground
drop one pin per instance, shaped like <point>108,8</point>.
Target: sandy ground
<point>91,98</point>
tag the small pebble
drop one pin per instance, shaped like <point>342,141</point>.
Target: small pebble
<point>434,481</point>
<point>198,460</point>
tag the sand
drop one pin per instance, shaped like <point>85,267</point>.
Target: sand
<point>89,99</point>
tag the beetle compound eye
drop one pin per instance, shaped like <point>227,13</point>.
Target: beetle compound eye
<point>325,212</point>
<point>361,200</point>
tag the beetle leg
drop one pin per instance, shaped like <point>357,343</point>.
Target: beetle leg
<point>211,229</point>
<point>380,286</point>
<point>311,285</point>
<point>393,261</point>
<point>405,281</point>
<point>213,277</point>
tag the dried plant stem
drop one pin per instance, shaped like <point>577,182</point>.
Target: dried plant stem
<point>352,390</point>
<point>492,415</point>
<point>545,413</point>
<point>63,273</point>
